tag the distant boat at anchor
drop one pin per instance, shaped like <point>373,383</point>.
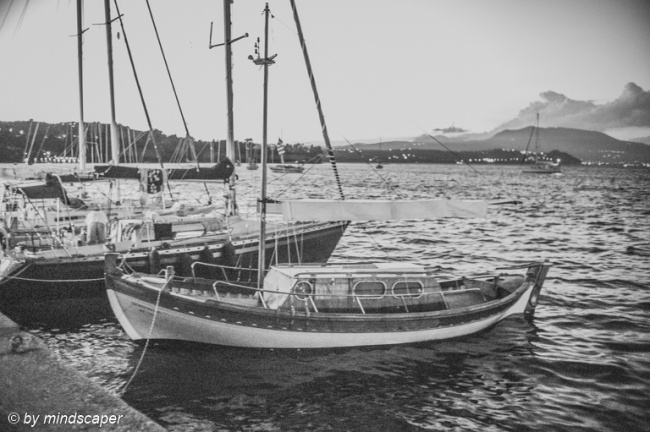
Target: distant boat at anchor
<point>541,166</point>
<point>283,168</point>
<point>287,169</point>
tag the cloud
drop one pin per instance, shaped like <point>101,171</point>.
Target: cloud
<point>630,109</point>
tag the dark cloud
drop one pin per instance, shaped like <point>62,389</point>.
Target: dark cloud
<point>630,109</point>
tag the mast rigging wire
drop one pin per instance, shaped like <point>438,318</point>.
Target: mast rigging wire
<point>144,105</point>
<point>376,94</point>
<point>189,139</point>
<point>22,18</point>
<point>6,14</point>
<point>310,72</point>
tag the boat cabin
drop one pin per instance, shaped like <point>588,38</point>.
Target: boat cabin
<point>375,288</point>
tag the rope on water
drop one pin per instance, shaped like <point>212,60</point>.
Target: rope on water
<point>146,344</point>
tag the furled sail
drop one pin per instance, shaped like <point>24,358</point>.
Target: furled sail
<point>220,171</point>
<point>38,190</point>
<point>356,210</point>
<point>50,189</point>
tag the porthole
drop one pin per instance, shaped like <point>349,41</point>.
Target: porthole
<point>370,289</point>
<point>408,289</point>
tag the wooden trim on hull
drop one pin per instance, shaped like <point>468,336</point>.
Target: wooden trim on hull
<point>213,322</point>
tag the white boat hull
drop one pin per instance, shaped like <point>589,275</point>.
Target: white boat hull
<point>172,323</point>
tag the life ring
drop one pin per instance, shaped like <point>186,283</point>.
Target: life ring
<point>303,290</point>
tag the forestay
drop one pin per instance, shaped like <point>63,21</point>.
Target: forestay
<point>358,210</point>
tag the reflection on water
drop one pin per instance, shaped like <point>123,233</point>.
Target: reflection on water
<point>581,363</point>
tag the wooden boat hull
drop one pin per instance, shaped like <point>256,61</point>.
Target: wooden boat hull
<point>82,275</point>
<point>138,302</point>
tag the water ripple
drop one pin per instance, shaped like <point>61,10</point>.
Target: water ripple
<point>580,364</point>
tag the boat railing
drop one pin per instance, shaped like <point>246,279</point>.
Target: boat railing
<point>201,264</point>
<point>228,273</point>
<point>447,296</point>
<point>451,299</point>
<point>371,272</point>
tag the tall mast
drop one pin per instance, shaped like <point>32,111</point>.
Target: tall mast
<point>82,133</point>
<point>230,140</point>
<point>265,62</point>
<point>230,137</point>
<point>115,138</point>
<point>537,138</point>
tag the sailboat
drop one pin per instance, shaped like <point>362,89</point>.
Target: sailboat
<point>325,306</point>
<point>322,306</point>
<point>282,167</point>
<point>541,166</point>
<point>250,156</point>
<point>168,239</point>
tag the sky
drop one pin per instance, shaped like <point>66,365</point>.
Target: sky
<point>384,69</point>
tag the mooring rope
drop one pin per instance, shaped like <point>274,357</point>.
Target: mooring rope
<point>146,344</point>
<point>53,280</point>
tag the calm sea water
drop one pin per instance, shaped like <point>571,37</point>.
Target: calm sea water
<point>582,362</point>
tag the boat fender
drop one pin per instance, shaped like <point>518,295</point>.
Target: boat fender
<point>154,261</point>
<point>185,265</point>
<point>293,310</point>
<point>110,263</point>
<point>228,255</point>
<point>205,256</point>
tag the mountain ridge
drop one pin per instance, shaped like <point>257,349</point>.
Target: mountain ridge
<point>589,146</point>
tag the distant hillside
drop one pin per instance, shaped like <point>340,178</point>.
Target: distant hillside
<point>419,155</point>
<point>571,145</point>
<point>21,140</point>
<point>642,140</point>
<point>585,145</point>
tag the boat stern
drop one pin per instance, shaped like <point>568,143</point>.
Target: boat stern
<point>536,274</point>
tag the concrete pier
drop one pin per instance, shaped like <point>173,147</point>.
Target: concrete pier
<point>39,393</point>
